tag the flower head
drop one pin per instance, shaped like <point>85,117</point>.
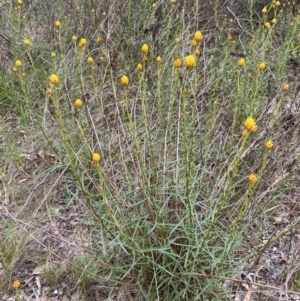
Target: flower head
<point>262,66</point>
<point>229,37</point>
<point>53,79</point>
<point>96,157</point>
<point>158,59</point>
<point>241,62</point>
<point>274,21</point>
<point>264,10</point>
<point>277,3</point>
<point>194,43</point>
<point>16,284</point>
<point>269,144</point>
<point>145,48</point>
<point>74,38</point>
<point>250,124</point>
<point>190,61</point>
<point>177,63</point>
<point>198,36</point>
<point>90,60</point>
<point>245,132</point>
<point>20,2</point>
<point>139,67</point>
<point>18,63</point>
<point>57,24</point>
<point>254,128</point>
<point>48,91</point>
<point>252,178</point>
<point>27,42</point>
<point>124,80</point>
<point>267,25</point>
<point>78,103</point>
<point>82,42</point>
<point>197,51</point>
<point>53,54</point>
<point>286,87</point>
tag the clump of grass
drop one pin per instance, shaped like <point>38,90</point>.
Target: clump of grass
<point>173,142</point>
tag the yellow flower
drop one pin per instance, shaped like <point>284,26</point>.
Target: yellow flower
<point>104,14</point>
<point>190,61</point>
<point>53,79</point>
<point>267,25</point>
<point>286,87</point>
<point>74,38</point>
<point>177,63</point>
<point>252,178</point>
<point>245,132</point>
<point>48,90</point>
<point>197,51</point>
<point>158,59</point>
<point>153,5</point>
<point>14,69</point>
<point>145,48</point>
<point>78,103</point>
<point>277,3</point>
<point>193,43</point>
<point>16,284</point>
<point>172,1</point>
<point>124,80</point>
<point>18,63</point>
<point>241,62</point>
<point>90,60</point>
<point>269,144</point>
<point>53,54</point>
<point>254,128</point>
<point>229,37</point>
<point>27,42</point>
<point>264,10</point>
<point>96,157</point>
<point>57,24</point>
<point>20,2</point>
<point>274,21</point>
<point>198,36</point>
<point>92,10</point>
<point>82,42</point>
<point>262,66</point>
<point>249,123</point>
<point>139,67</point>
